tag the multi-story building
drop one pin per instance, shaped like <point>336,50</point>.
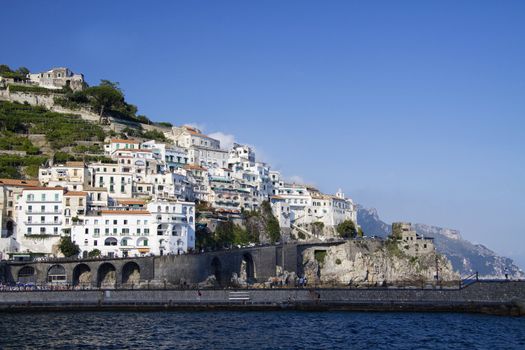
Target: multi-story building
<point>58,78</point>
<point>202,149</point>
<point>115,232</point>
<point>120,144</point>
<point>115,178</point>
<point>40,221</point>
<point>10,193</point>
<point>72,175</point>
<point>169,157</point>
<point>136,229</point>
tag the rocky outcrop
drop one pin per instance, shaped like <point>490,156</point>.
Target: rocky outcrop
<point>373,262</point>
<point>466,258</point>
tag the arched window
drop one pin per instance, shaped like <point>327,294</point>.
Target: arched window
<point>110,241</point>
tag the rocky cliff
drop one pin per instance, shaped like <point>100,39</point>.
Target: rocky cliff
<point>374,262</point>
<point>466,257</point>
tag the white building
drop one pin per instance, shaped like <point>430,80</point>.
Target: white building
<point>115,178</point>
<point>163,227</point>
<point>72,175</point>
<point>169,156</point>
<point>40,221</point>
<point>202,149</point>
<point>120,144</point>
<point>115,232</point>
<point>58,78</point>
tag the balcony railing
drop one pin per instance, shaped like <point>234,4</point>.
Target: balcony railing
<point>39,223</point>
<point>42,212</point>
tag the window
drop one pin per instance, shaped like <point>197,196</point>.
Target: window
<point>95,242</point>
<point>86,231</point>
<point>29,229</point>
<point>42,219</point>
<point>42,230</point>
<point>114,222</point>
<point>86,242</point>
<point>56,209</point>
<point>106,231</point>
<point>30,209</point>
<point>146,231</point>
<point>43,197</point>
<point>125,222</point>
<point>56,197</point>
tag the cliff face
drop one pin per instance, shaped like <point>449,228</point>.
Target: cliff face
<point>373,262</point>
<point>466,257</point>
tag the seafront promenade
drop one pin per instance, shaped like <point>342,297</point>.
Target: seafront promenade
<point>495,297</point>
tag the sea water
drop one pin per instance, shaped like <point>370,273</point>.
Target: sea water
<point>259,330</point>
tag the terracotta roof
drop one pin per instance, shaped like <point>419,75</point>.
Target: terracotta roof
<point>125,212</point>
<point>75,164</point>
<point>19,183</point>
<point>277,197</point>
<point>42,188</point>
<point>76,193</point>
<point>131,201</point>
<point>124,141</point>
<point>194,167</point>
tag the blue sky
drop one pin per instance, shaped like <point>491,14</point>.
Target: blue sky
<point>413,107</point>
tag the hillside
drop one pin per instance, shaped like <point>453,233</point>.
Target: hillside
<point>466,257</point>
<point>32,135</point>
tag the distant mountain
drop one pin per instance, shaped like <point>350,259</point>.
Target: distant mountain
<point>466,257</point>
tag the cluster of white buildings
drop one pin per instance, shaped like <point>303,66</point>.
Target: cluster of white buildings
<point>143,201</point>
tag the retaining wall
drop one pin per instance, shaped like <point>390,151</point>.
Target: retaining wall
<point>491,297</point>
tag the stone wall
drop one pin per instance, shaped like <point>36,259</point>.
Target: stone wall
<point>494,297</point>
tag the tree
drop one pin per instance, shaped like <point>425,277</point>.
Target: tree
<point>347,229</point>
<point>94,253</point>
<point>105,97</point>
<point>68,247</point>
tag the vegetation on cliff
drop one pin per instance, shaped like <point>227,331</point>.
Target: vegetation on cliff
<point>18,74</point>
<point>19,121</point>
<point>259,226</point>
<point>106,99</point>
<point>60,129</point>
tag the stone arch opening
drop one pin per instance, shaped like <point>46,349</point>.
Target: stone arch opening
<point>10,228</point>
<point>26,275</point>
<point>107,276</point>
<point>216,269</point>
<point>82,275</point>
<point>131,273</point>
<point>247,272</point>
<point>56,274</point>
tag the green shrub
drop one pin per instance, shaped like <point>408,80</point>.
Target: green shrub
<point>347,229</point>
<point>320,256</point>
<point>34,89</point>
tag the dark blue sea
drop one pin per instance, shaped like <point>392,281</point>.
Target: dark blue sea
<point>259,330</point>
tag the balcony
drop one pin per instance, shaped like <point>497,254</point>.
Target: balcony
<point>31,212</point>
<point>40,223</point>
<point>34,200</point>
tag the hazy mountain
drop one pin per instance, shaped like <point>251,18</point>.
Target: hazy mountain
<point>466,257</point>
